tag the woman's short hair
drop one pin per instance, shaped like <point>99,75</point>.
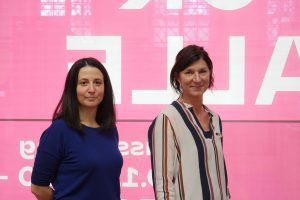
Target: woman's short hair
<point>185,58</point>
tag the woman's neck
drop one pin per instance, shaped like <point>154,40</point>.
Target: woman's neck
<point>196,103</point>
<point>88,117</point>
<point>199,110</point>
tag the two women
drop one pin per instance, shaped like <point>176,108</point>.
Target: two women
<point>78,154</point>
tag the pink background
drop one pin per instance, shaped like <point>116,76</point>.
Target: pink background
<point>261,141</point>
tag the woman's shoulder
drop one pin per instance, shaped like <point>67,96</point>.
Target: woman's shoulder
<point>170,109</point>
<point>58,124</point>
<point>56,128</point>
<point>53,133</point>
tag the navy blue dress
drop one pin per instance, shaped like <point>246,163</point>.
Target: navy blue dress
<point>79,167</point>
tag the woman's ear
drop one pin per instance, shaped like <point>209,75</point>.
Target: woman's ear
<point>177,82</point>
<point>176,76</point>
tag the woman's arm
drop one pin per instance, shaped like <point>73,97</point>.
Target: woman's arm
<point>42,192</point>
<point>46,163</point>
<point>163,158</point>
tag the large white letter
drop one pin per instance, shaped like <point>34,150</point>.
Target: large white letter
<point>177,4</point>
<point>236,92</point>
<point>134,4</point>
<point>228,4</point>
<point>27,149</point>
<point>22,175</point>
<point>140,4</point>
<point>175,44</point>
<point>273,81</point>
<point>174,4</point>
<point>112,46</point>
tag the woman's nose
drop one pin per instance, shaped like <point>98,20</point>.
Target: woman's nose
<point>91,88</point>
<point>196,77</point>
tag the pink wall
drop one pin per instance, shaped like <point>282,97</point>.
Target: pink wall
<point>255,47</point>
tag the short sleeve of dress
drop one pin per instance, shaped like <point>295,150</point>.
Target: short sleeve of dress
<point>48,156</point>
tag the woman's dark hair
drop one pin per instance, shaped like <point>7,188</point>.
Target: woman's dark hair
<point>185,58</point>
<point>68,105</point>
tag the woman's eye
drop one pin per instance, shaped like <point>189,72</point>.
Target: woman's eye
<point>98,82</point>
<point>203,71</point>
<point>83,83</point>
<point>188,72</point>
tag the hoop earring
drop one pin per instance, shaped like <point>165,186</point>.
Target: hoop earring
<point>180,88</point>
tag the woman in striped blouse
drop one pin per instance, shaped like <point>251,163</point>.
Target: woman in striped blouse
<point>186,137</point>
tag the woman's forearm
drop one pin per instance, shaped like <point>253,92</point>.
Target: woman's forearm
<point>42,192</point>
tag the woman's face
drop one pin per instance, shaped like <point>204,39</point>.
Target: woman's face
<point>90,87</point>
<point>194,80</point>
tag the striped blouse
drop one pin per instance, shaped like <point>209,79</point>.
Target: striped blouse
<point>187,162</point>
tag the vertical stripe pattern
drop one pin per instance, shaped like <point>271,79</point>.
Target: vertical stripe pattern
<point>185,163</point>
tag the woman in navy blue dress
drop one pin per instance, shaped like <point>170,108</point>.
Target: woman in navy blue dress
<point>78,156</point>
